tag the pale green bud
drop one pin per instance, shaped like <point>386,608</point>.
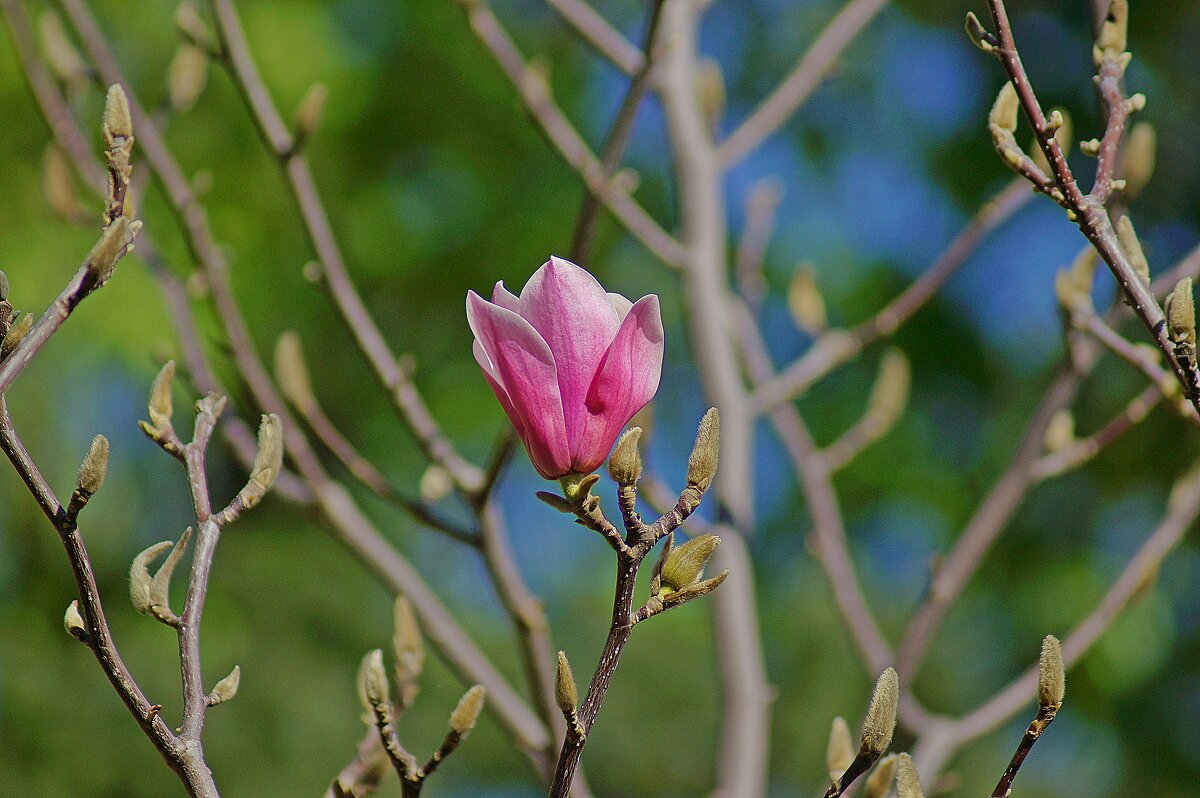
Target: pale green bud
<point>463,718</point>
<point>702,463</point>
<point>625,464</point>
<point>566,692</point>
<point>1051,678</point>
<point>840,751</point>
<point>684,565</point>
<point>225,689</point>
<point>880,721</point>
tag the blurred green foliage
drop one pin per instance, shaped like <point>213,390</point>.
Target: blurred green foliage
<point>436,183</point>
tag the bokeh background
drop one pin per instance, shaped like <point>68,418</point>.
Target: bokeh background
<point>437,183</point>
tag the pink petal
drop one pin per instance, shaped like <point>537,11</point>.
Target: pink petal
<point>577,320</point>
<point>523,367</point>
<point>505,298</point>
<point>489,371</point>
<point>620,304</point>
<point>627,380</point>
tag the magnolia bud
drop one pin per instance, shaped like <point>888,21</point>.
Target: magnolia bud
<point>880,722</point>
<point>308,112</point>
<point>625,464</point>
<point>566,692</point>
<point>161,407</point>
<point>840,751</point>
<point>406,642</point>
<point>140,581</point>
<point>118,123</point>
<point>225,689</point>
<point>64,60</point>
<point>58,184</point>
<point>268,462</point>
<point>373,681</point>
<point>1181,313</point>
<point>710,89</point>
<point>292,372</point>
<point>1133,249</point>
<point>978,34</point>
<point>908,785</point>
<point>805,302</point>
<point>889,394</point>
<point>463,718</point>
<point>1138,157</point>
<point>1060,432</point>
<point>16,333</point>
<point>187,76</point>
<point>73,622</point>
<point>685,564</point>
<point>94,468</point>
<point>1003,115</point>
<point>1051,679</point>
<point>879,783</point>
<point>1112,38</point>
<point>702,463</point>
<point>114,242</point>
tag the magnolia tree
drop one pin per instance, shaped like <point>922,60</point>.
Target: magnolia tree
<point>571,365</point>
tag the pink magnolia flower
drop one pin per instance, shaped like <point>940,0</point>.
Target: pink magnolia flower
<point>569,362</point>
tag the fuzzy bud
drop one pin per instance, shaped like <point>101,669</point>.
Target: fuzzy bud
<point>225,689</point>
<point>308,112</point>
<point>113,244</point>
<point>3,287</point>
<point>566,692</point>
<point>1003,116</point>
<point>880,722</point>
<point>1064,134</point>
<point>684,565</point>
<point>73,622</point>
<point>1112,39</point>
<point>406,642</point>
<point>889,394</point>
<point>1060,432</point>
<point>16,333</point>
<point>161,406</point>
<point>192,27</point>
<point>1181,313</point>
<point>625,464</point>
<point>710,88</point>
<point>373,681</point>
<point>1139,152</point>
<point>702,463</point>
<point>840,751</point>
<point>979,35</point>
<point>436,483</point>
<point>879,783</point>
<point>1133,249</point>
<point>268,462</point>
<point>64,60</point>
<point>908,784</point>
<point>1051,679</point>
<point>118,122</point>
<point>187,76</point>
<point>58,185</point>
<point>140,580</point>
<point>292,372</point>
<point>805,302</point>
<point>94,467</point>
<point>463,718</point>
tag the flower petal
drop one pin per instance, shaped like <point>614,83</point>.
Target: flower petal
<point>505,298</point>
<point>577,320</point>
<point>524,368</point>
<point>627,379</point>
<point>489,371</point>
<point>620,304</point>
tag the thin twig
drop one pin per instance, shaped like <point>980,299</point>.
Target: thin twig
<point>744,743</point>
<point>350,524</point>
<point>618,139</point>
<point>836,347</point>
<point>534,92</point>
<point>371,341</point>
<point>802,81</point>
<point>596,31</point>
<point>99,636</point>
<point>1082,450</point>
